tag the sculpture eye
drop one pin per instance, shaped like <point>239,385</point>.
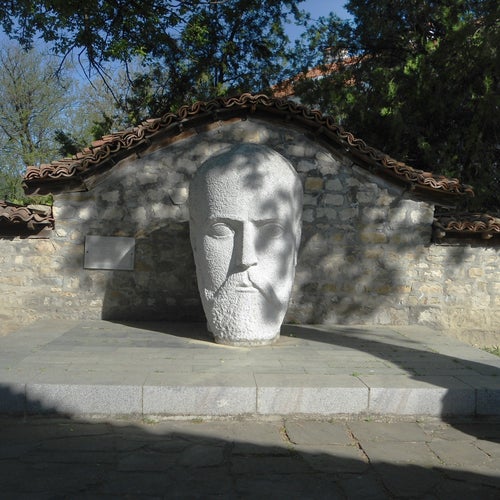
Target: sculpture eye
<point>220,230</point>
<point>271,230</point>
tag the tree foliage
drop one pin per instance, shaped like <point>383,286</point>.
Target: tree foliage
<point>33,101</point>
<point>152,56</point>
<point>98,30</point>
<point>419,80</point>
<point>223,48</point>
<point>189,49</point>
<point>45,113</point>
<point>416,79</point>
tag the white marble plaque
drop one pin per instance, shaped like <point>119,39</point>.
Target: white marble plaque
<point>109,252</point>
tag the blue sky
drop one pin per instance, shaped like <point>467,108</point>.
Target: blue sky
<point>319,8</point>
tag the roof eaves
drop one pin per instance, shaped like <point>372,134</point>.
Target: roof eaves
<point>103,154</point>
<point>31,220</point>
<point>466,225</point>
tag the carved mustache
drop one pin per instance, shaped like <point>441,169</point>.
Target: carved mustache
<point>248,278</point>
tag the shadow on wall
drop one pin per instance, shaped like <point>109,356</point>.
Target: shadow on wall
<point>354,269</point>
<point>476,281</point>
<point>351,262</point>
<point>162,285</point>
<point>61,457</point>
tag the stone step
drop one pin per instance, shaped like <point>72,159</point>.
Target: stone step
<point>165,369</point>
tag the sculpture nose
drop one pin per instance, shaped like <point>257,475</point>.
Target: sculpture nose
<point>247,254</point>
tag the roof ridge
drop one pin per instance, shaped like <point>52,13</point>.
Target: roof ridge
<point>104,149</point>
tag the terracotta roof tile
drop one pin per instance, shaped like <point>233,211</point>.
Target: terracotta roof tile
<point>286,89</point>
<point>25,219</point>
<point>103,154</point>
<point>452,225</point>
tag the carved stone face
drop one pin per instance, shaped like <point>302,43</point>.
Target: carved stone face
<point>245,208</point>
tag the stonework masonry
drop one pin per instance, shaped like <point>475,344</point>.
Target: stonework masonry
<point>366,255</point>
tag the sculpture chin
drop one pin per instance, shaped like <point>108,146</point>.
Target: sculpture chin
<point>242,317</point>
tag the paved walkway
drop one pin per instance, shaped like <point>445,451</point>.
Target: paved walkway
<point>46,458</point>
<point>105,368</point>
<point>341,412</point>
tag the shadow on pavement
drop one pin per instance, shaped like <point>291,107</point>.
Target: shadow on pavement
<point>416,360</point>
<point>56,457</point>
<point>422,365</point>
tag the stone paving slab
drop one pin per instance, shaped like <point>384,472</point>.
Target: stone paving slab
<point>283,458</point>
<point>174,369</point>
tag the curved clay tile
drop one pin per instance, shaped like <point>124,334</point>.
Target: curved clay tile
<point>99,154</point>
<point>466,224</point>
<point>32,217</point>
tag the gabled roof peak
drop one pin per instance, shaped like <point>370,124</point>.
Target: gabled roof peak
<point>69,173</point>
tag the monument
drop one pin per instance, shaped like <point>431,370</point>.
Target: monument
<point>245,208</point>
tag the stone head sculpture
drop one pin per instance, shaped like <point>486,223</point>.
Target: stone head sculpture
<point>245,223</point>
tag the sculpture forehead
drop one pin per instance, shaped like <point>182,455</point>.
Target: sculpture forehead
<point>247,180</point>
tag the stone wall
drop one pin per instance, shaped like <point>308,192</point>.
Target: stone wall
<point>366,254</point>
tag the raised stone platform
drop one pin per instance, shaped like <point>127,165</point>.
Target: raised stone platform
<point>174,369</point>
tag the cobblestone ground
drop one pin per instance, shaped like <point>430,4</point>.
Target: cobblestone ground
<point>45,458</point>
